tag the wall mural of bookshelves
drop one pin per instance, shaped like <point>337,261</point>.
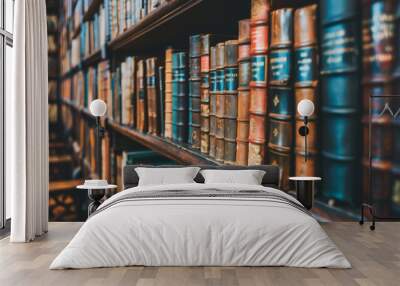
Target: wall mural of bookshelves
<point>218,82</point>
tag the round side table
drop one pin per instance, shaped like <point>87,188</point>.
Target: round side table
<point>96,194</point>
<point>305,187</point>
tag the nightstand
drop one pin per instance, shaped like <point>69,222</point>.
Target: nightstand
<point>96,195</point>
<point>305,187</point>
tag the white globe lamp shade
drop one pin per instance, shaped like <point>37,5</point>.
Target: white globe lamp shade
<point>305,107</point>
<point>98,108</point>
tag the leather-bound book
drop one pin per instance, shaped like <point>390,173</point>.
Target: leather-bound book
<point>305,168</point>
<point>379,55</point>
<point>194,113</point>
<point>168,94</point>
<point>142,113</point>
<point>220,102</point>
<point>306,76</point>
<point>260,10</point>
<point>244,77</point>
<point>230,97</point>
<point>153,104</point>
<point>284,161</point>
<point>280,141</point>
<point>281,55</point>
<point>207,41</point>
<point>282,28</point>
<point>205,94</point>
<point>259,31</point>
<point>340,98</point>
<point>179,98</point>
<point>194,90</point>
<point>305,28</point>
<point>213,100</point>
<point>281,96</point>
<point>161,98</point>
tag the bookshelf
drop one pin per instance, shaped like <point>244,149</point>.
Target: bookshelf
<point>181,153</point>
<point>171,23</point>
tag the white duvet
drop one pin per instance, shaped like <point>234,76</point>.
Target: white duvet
<point>200,231</point>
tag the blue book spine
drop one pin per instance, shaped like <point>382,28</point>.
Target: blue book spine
<point>179,98</point>
<point>340,96</point>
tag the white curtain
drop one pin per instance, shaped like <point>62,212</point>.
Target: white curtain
<point>27,124</point>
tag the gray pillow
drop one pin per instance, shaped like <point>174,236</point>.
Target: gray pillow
<point>166,176</point>
<point>247,177</point>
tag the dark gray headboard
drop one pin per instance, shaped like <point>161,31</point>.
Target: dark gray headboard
<point>271,177</point>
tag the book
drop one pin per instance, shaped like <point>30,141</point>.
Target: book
<point>259,31</point>
<point>219,102</point>
<point>194,91</point>
<point>168,93</point>
<point>105,157</point>
<point>244,77</point>
<point>260,10</point>
<point>141,97</point>
<point>306,87</point>
<point>117,95</point>
<point>206,41</point>
<point>213,100</point>
<point>379,69</point>
<point>153,110</point>
<point>281,97</point>
<point>124,14</point>
<point>340,93</point>
<point>179,98</point>
<point>128,69</point>
<point>230,98</point>
<point>161,98</point>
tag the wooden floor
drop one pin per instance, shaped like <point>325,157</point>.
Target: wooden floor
<point>375,257</point>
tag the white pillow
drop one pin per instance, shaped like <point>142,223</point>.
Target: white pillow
<point>166,176</point>
<point>248,177</point>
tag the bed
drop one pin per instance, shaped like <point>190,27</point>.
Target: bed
<point>197,224</point>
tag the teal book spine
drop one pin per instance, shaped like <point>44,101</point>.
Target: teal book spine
<point>340,99</point>
<point>194,91</point>
<point>179,98</point>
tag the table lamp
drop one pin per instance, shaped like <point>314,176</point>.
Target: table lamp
<point>305,109</point>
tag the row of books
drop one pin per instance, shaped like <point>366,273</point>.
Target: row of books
<point>127,13</point>
<point>93,34</point>
<point>113,18</point>
<point>113,159</point>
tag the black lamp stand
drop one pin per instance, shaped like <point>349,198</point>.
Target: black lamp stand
<point>100,135</point>
<point>303,131</point>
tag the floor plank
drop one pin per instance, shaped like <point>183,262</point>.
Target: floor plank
<point>375,257</point>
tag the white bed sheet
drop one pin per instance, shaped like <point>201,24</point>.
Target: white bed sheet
<point>200,232</point>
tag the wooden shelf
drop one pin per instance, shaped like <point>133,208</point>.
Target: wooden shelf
<point>181,153</point>
<point>169,149</point>
<point>71,71</point>
<point>83,111</point>
<point>93,8</point>
<point>76,32</point>
<point>92,59</point>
